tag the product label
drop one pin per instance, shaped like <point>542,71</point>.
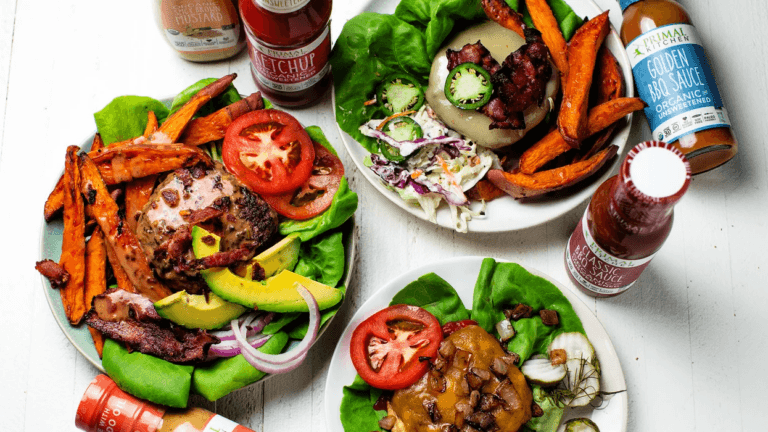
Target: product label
<point>674,78</point>
<point>290,69</point>
<point>218,423</point>
<point>596,269</point>
<point>195,26</point>
<point>282,6</point>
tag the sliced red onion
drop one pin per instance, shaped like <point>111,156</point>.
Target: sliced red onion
<point>231,348</point>
<point>280,363</point>
<point>255,327</point>
<point>408,147</point>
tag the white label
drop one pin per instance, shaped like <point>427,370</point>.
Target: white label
<point>220,424</point>
<point>282,6</point>
<point>204,40</point>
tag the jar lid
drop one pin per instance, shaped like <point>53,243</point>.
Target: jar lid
<point>623,4</point>
<point>105,407</point>
<point>656,172</point>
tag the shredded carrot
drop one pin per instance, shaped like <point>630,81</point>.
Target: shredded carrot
<point>393,116</point>
<point>370,102</point>
<point>448,172</point>
<point>416,174</point>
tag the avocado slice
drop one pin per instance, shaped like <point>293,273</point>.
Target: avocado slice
<point>193,311</point>
<point>276,294</point>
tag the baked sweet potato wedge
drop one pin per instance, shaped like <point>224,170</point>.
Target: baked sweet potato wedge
<point>521,185</point>
<point>122,240</point>
<point>609,80</point>
<point>55,201</point>
<point>131,161</point>
<point>171,129</point>
<point>95,277</point>
<point>582,56</point>
<point>121,277</point>
<point>484,190</point>
<point>213,126</point>
<point>73,241</point>
<point>151,126</point>
<point>553,144</point>
<point>545,22</point>
<point>137,193</point>
<point>499,11</point>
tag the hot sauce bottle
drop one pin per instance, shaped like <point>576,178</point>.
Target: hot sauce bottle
<point>289,42</point>
<point>106,408</point>
<point>674,78</point>
<point>628,219</point>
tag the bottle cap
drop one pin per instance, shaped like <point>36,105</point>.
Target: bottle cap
<point>623,4</point>
<point>104,407</point>
<point>655,172</point>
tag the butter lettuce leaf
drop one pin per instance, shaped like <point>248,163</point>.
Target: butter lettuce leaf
<point>356,411</point>
<point>125,117</point>
<point>433,293</point>
<point>229,96</point>
<point>342,207</point>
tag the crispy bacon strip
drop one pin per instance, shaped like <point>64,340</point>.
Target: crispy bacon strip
<point>73,241</point>
<point>123,240</point>
<point>521,185</point>
<point>131,161</point>
<point>213,126</point>
<point>95,277</point>
<point>553,144</point>
<point>544,21</point>
<point>172,128</point>
<point>54,272</point>
<point>582,54</point>
<point>499,11</point>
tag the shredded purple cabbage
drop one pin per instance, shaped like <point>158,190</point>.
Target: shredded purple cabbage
<point>408,147</point>
<point>398,177</point>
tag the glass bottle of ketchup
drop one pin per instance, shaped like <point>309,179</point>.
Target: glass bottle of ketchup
<point>628,220</point>
<point>673,76</point>
<point>289,42</point>
<point>105,407</point>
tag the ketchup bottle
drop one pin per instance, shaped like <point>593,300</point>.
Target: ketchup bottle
<point>289,42</point>
<point>628,219</point>
<point>674,78</point>
<point>106,408</point>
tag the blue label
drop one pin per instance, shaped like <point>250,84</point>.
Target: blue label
<point>674,78</point>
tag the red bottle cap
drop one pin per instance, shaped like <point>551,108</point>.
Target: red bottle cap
<point>106,408</point>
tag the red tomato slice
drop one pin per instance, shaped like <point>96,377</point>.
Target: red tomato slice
<point>453,326</point>
<point>269,151</point>
<point>390,350</point>
<point>316,194</point>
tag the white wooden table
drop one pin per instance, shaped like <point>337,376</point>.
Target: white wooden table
<point>691,335</point>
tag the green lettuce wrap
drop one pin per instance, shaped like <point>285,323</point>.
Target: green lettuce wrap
<point>223,376</point>
<point>147,377</point>
<point>342,207</point>
<point>125,117</point>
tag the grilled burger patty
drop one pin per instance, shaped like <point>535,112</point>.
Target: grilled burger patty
<point>210,197</point>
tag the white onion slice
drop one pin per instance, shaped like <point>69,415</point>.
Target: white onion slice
<point>280,363</point>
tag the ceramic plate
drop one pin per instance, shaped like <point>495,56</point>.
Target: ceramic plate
<point>507,214</point>
<point>50,248</point>
<point>462,273</point>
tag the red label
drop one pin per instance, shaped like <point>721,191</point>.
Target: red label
<point>597,270</point>
<point>290,69</point>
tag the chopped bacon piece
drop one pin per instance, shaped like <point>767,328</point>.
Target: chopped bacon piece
<point>54,272</point>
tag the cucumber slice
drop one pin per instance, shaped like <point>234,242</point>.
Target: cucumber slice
<point>581,425</point>
<point>575,344</point>
<point>582,383</point>
<point>539,370</point>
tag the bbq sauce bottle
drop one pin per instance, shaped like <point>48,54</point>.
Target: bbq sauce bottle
<point>674,78</point>
<point>105,407</point>
<point>628,219</point>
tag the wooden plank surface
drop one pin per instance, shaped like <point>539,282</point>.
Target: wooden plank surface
<point>690,335</point>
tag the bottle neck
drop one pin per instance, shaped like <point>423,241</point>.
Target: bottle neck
<point>634,214</point>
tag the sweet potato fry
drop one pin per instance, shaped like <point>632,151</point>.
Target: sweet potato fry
<point>582,55</point>
<point>499,11</point>
<point>151,126</point>
<point>95,277</point>
<point>123,241</point>
<point>553,144</point>
<point>73,241</point>
<point>123,282</point>
<point>213,126</point>
<point>172,128</point>
<point>137,193</point>
<point>122,164</point>
<point>545,22</point>
<point>484,190</point>
<point>521,185</point>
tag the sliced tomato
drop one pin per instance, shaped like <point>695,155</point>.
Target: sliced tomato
<point>316,194</point>
<point>269,151</point>
<point>453,326</point>
<point>392,349</point>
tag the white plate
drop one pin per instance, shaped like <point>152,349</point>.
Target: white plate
<point>462,273</point>
<point>507,214</point>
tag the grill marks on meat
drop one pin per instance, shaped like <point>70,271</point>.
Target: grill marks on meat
<point>132,319</point>
<point>518,83</point>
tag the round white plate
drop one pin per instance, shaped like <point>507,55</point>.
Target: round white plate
<point>505,213</point>
<point>50,248</point>
<point>462,273</point>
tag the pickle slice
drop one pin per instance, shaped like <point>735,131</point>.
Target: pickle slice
<point>399,93</point>
<point>468,86</point>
